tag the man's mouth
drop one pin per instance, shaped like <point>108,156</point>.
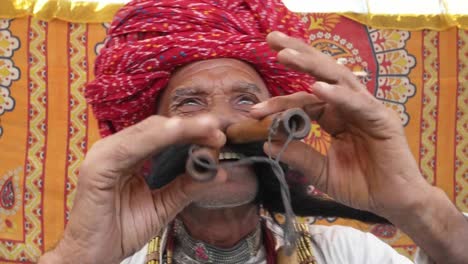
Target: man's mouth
<point>230,156</point>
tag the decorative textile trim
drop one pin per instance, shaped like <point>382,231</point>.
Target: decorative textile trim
<point>91,11</point>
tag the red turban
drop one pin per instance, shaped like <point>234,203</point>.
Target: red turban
<point>148,39</point>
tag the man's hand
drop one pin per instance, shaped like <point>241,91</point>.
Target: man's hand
<point>369,165</point>
<point>369,160</point>
<point>115,213</point>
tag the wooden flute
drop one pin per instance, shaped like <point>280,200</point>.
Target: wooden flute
<point>202,162</point>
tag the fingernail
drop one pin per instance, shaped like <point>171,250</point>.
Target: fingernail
<point>320,85</point>
<point>281,34</point>
<point>291,51</point>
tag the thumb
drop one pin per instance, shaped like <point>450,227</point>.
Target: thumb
<point>172,198</point>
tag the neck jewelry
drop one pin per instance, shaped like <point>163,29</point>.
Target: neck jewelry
<point>191,251</point>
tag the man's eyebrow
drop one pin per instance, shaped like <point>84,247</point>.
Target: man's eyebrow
<point>246,87</point>
<point>186,91</point>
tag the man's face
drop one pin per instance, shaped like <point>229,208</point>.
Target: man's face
<point>227,89</point>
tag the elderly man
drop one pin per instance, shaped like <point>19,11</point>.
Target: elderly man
<point>179,72</point>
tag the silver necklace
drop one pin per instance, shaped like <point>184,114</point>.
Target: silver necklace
<point>190,251</point>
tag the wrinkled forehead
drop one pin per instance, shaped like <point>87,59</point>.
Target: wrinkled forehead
<point>221,70</point>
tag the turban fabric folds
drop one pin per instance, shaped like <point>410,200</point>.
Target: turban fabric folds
<point>149,39</point>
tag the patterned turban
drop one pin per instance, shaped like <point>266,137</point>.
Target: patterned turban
<point>149,39</point>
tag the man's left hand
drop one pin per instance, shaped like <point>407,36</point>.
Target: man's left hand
<point>369,165</point>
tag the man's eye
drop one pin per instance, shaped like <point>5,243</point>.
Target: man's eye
<point>245,100</point>
<point>189,106</point>
<point>189,102</point>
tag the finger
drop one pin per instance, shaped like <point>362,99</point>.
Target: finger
<point>281,103</point>
<point>316,108</point>
<point>298,55</point>
<point>279,41</point>
<point>346,101</point>
<point>334,95</point>
<point>301,157</point>
<point>359,109</point>
<point>127,148</point>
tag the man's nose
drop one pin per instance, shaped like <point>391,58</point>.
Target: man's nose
<point>227,115</point>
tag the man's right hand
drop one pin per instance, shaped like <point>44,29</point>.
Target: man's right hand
<point>115,213</point>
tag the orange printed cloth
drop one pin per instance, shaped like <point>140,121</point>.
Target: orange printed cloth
<point>46,126</point>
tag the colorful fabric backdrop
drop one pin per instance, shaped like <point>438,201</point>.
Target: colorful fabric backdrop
<point>46,127</point>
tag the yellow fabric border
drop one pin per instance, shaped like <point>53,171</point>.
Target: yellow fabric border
<point>411,22</point>
<point>93,12</point>
<point>71,11</point>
